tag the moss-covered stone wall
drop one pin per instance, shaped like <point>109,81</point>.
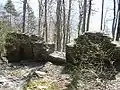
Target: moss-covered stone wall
<point>92,50</point>
<point>24,47</point>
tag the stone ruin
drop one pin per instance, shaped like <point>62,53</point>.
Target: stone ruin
<point>94,51</point>
<point>31,61</point>
<point>21,47</point>
<point>92,45</point>
<point>90,48</point>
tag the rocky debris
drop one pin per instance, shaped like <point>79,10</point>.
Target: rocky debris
<point>89,42</point>
<point>40,74</point>
<point>50,47</point>
<point>58,57</point>
<point>14,77</point>
<point>27,76</point>
<point>91,56</point>
<point>58,54</point>
<point>50,74</point>
<point>92,49</point>
<point>117,43</point>
<point>103,84</point>
<point>56,72</point>
<point>53,70</point>
<point>8,84</point>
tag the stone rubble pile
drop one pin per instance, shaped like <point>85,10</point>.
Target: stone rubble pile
<point>93,50</point>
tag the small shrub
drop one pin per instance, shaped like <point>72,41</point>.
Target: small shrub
<point>4,30</point>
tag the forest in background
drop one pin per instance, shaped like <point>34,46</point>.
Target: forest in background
<point>91,62</point>
<point>55,19</point>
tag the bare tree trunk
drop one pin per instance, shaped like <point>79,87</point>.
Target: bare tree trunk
<point>80,16</point>
<point>113,24</point>
<point>101,26</point>
<point>58,25</point>
<point>84,16</point>
<point>64,25</point>
<point>40,12</point>
<point>89,14</point>
<point>68,23</point>
<point>24,14</point>
<point>79,26</point>
<point>116,24</point>
<point>105,21</point>
<point>46,36</point>
<point>118,28</point>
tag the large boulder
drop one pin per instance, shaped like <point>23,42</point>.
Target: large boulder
<point>57,57</point>
<point>20,46</point>
<point>16,46</point>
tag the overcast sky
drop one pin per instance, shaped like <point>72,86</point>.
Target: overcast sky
<point>95,19</point>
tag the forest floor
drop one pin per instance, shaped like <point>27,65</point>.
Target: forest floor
<point>16,76</point>
<point>48,76</point>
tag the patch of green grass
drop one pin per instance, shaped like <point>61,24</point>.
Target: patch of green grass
<point>41,85</point>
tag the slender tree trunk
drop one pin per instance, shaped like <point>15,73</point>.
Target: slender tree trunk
<point>80,16</point>
<point>118,28</point>
<point>40,11</point>
<point>79,26</point>
<point>84,16</point>
<point>113,24</point>
<point>105,21</point>
<point>116,25</point>
<point>46,33</point>
<point>101,26</point>
<point>58,25</point>
<point>24,14</point>
<point>89,14</point>
<point>28,20</point>
<point>68,23</point>
<point>64,25</point>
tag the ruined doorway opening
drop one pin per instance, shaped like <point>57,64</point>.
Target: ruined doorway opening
<point>21,53</point>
